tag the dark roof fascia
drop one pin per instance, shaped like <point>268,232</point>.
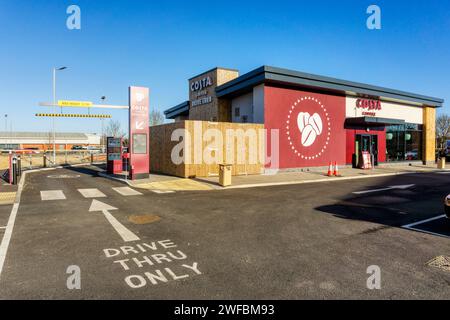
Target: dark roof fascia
<point>266,74</point>
<point>177,110</point>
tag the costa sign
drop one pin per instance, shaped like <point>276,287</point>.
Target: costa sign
<point>201,84</point>
<point>139,132</point>
<point>368,104</point>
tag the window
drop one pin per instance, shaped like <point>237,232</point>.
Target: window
<point>237,112</point>
<point>139,143</point>
<point>404,142</point>
<point>244,119</point>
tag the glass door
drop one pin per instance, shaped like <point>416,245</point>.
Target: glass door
<point>367,143</point>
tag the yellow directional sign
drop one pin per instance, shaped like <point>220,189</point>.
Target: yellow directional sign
<point>68,115</point>
<point>78,104</point>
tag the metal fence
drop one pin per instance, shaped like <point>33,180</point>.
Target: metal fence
<point>37,159</point>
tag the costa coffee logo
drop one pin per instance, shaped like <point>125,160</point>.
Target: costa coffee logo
<point>308,128</point>
<point>201,84</point>
<point>368,104</point>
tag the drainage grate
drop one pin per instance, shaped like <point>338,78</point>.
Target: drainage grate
<point>441,262</point>
<point>143,219</point>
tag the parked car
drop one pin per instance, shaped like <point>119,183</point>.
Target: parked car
<point>447,206</point>
<point>412,155</point>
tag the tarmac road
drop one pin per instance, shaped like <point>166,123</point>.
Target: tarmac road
<point>311,241</point>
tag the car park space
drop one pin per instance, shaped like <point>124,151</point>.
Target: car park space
<point>439,226</point>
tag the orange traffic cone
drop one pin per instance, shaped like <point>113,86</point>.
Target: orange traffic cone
<point>336,169</point>
<point>330,168</point>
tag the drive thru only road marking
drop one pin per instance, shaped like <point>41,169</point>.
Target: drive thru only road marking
<point>403,187</point>
<point>126,234</point>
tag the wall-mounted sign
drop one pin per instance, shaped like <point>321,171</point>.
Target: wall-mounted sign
<point>199,91</point>
<point>139,132</point>
<point>369,106</point>
<point>201,84</point>
<point>78,104</point>
<point>201,101</point>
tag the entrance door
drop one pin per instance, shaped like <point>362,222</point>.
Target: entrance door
<point>368,143</point>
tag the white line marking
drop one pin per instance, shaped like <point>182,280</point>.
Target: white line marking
<point>410,227</point>
<point>287,183</point>
<point>127,191</point>
<point>2,227</point>
<point>92,193</point>
<point>163,191</point>
<point>423,221</point>
<point>10,226</point>
<point>50,195</point>
<point>403,187</point>
<point>428,232</point>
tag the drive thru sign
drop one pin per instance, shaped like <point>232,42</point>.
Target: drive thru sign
<point>139,132</point>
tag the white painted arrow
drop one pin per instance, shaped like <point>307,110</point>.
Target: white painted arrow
<point>401,187</point>
<point>126,234</point>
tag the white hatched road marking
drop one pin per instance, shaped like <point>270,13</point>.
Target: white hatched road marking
<point>92,193</point>
<point>50,195</point>
<point>127,191</point>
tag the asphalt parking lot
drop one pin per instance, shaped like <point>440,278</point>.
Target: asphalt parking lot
<point>286,242</point>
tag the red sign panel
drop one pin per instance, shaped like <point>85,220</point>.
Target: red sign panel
<point>139,132</point>
<point>311,126</point>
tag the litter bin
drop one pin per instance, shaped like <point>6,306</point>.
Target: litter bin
<point>225,174</point>
<point>441,163</point>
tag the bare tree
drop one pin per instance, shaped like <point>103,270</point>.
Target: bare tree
<point>156,117</point>
<point>114,129</point>
<point>442,130</point>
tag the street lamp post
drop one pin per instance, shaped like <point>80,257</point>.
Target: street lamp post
<point>6,130</point>
<point>103,135</point>
<point>54,110</point>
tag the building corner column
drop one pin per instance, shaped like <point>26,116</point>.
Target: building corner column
<point>429,136</point>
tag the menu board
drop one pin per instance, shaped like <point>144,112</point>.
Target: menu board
<point>114,149</point>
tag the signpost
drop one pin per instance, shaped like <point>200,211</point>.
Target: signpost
<point>139,132</point>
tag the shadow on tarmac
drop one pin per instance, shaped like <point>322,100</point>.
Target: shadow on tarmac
<point>395,207</point>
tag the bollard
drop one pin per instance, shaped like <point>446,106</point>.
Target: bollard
<point>44,161</point>
<point>19,166</point>
<point>14,170</point>
<point>441,163</point>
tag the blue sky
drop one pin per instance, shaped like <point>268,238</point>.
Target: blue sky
<point>160,44</point>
